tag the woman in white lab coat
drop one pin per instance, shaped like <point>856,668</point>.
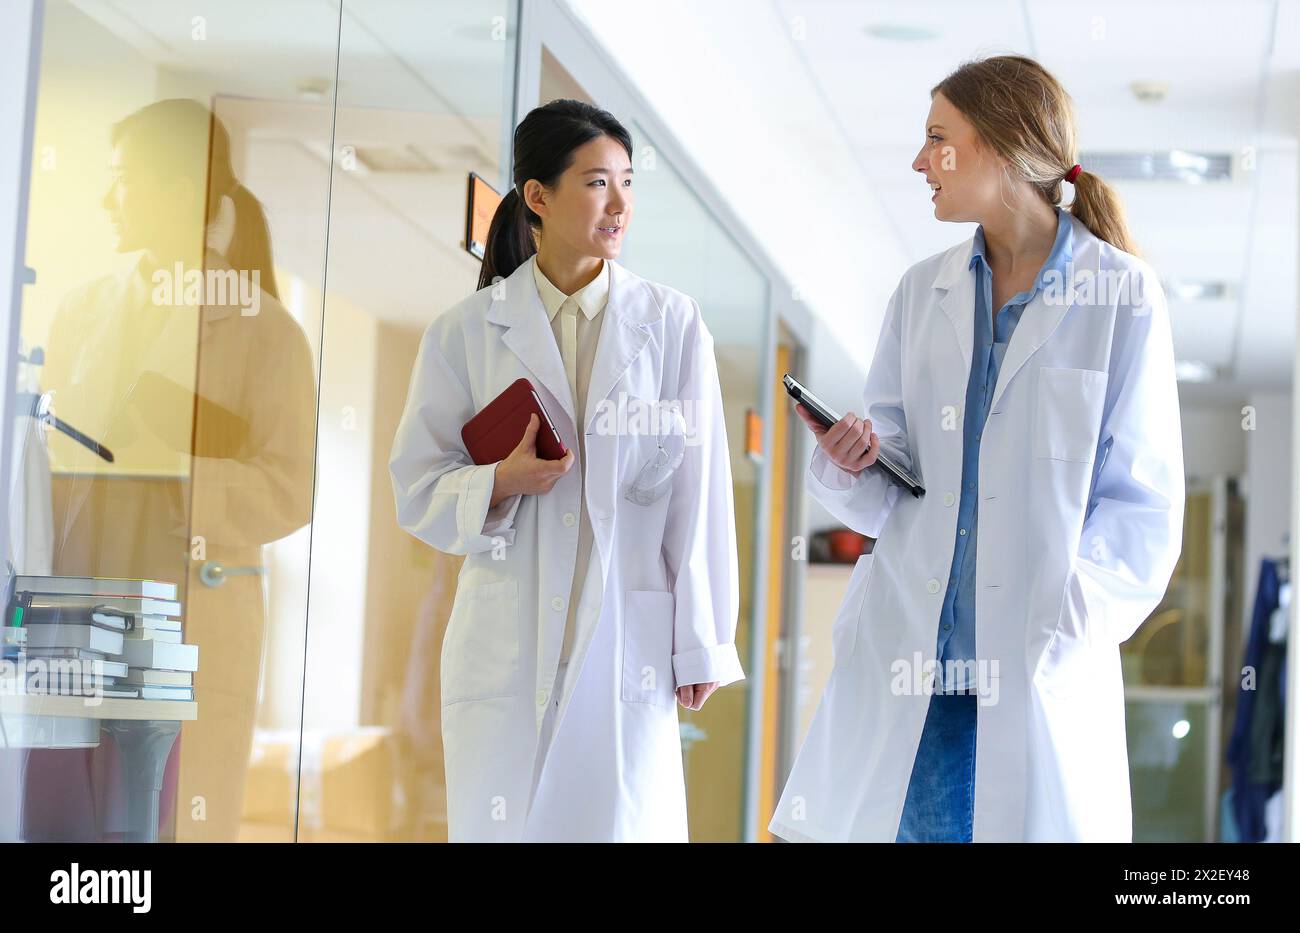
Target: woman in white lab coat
<point>981,699</point>
<point>599,590</point>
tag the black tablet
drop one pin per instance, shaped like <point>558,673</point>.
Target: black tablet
<point>827,417</point>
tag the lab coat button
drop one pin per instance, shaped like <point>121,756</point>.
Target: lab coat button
<point>541,697</point>
<point>557,604</point>
<point>948,498</point>
<point>569,519</point>
<point>933,586</point>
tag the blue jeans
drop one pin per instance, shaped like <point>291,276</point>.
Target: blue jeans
<point>940,804</point>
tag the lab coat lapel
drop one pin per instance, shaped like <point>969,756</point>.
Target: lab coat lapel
<point>1047,309</point>
<point>624,334</point>
<point>1039,320</point>
<point>959,299</point>
<point>517,306</point>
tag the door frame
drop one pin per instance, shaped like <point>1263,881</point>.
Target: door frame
<point>21,23</point>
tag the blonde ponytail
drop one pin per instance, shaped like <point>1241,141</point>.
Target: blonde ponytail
<point>1098,207</point>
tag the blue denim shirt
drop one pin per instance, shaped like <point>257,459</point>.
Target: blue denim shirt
<point>957,619</point>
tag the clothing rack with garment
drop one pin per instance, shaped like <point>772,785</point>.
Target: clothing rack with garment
<point>1255,751</point>
<point>29,499</point>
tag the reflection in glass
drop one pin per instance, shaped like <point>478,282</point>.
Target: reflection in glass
<point>422,101</point>
<point>166,338</point>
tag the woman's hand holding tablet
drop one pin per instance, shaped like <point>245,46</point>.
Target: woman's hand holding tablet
<point>849,443</point>
<point>523,472</point>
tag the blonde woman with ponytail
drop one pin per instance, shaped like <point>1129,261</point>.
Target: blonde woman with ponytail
<point>1026,376</point>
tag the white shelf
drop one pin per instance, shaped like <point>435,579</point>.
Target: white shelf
<point>106,708</point>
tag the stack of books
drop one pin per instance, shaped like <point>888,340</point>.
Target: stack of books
<point>102,636</point>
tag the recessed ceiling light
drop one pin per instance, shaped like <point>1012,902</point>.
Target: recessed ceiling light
<point>1150,92</point>
<point>313,89</point>
<point>900,32</point>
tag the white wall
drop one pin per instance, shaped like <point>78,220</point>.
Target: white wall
<point>341,522</point>
<point>728,82</point>
<point>1213,440</point>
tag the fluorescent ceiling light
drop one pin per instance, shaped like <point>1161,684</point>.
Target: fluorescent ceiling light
<point>1194,371</point>
<point>1177,165</point>
<point>1189,290</point>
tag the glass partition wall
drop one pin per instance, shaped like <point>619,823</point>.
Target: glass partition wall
<point>241,219</point>
<point>423,100</point>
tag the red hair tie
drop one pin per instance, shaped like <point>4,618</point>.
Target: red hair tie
<point>1073,173</point>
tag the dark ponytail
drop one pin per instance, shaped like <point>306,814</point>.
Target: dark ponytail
<point>510,239</point>
<point>543,149</point>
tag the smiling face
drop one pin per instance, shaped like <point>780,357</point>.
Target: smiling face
<point>964,174</point>
<point>588,210</point>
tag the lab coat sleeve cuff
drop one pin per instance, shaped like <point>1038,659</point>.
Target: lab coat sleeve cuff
<point>861,502</point>
<point>472,515</point>
<point>823,472</point>
<point>501,518</point>
<point>705,665</point>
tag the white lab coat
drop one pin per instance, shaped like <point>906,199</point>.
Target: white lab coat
<point>1080,524</point>
<point>662,588</point>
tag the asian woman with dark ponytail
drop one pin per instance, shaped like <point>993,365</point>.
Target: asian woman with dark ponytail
<point>599,590</point>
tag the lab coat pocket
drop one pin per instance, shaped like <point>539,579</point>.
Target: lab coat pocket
<point>480,652</point>
<point>648,648</point>
<point>844,631</point>
<point>1068,663</point>
<point>1068,416</point>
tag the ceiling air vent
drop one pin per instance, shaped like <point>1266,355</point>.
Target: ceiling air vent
<point>1177,165</point>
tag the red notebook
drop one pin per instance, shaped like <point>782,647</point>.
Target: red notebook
<point>495,431</point>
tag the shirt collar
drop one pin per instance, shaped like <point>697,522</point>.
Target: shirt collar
<point>591,298</point>
<point>1057,260</point>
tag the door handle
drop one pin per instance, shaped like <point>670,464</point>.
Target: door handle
<point>214,574</point>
